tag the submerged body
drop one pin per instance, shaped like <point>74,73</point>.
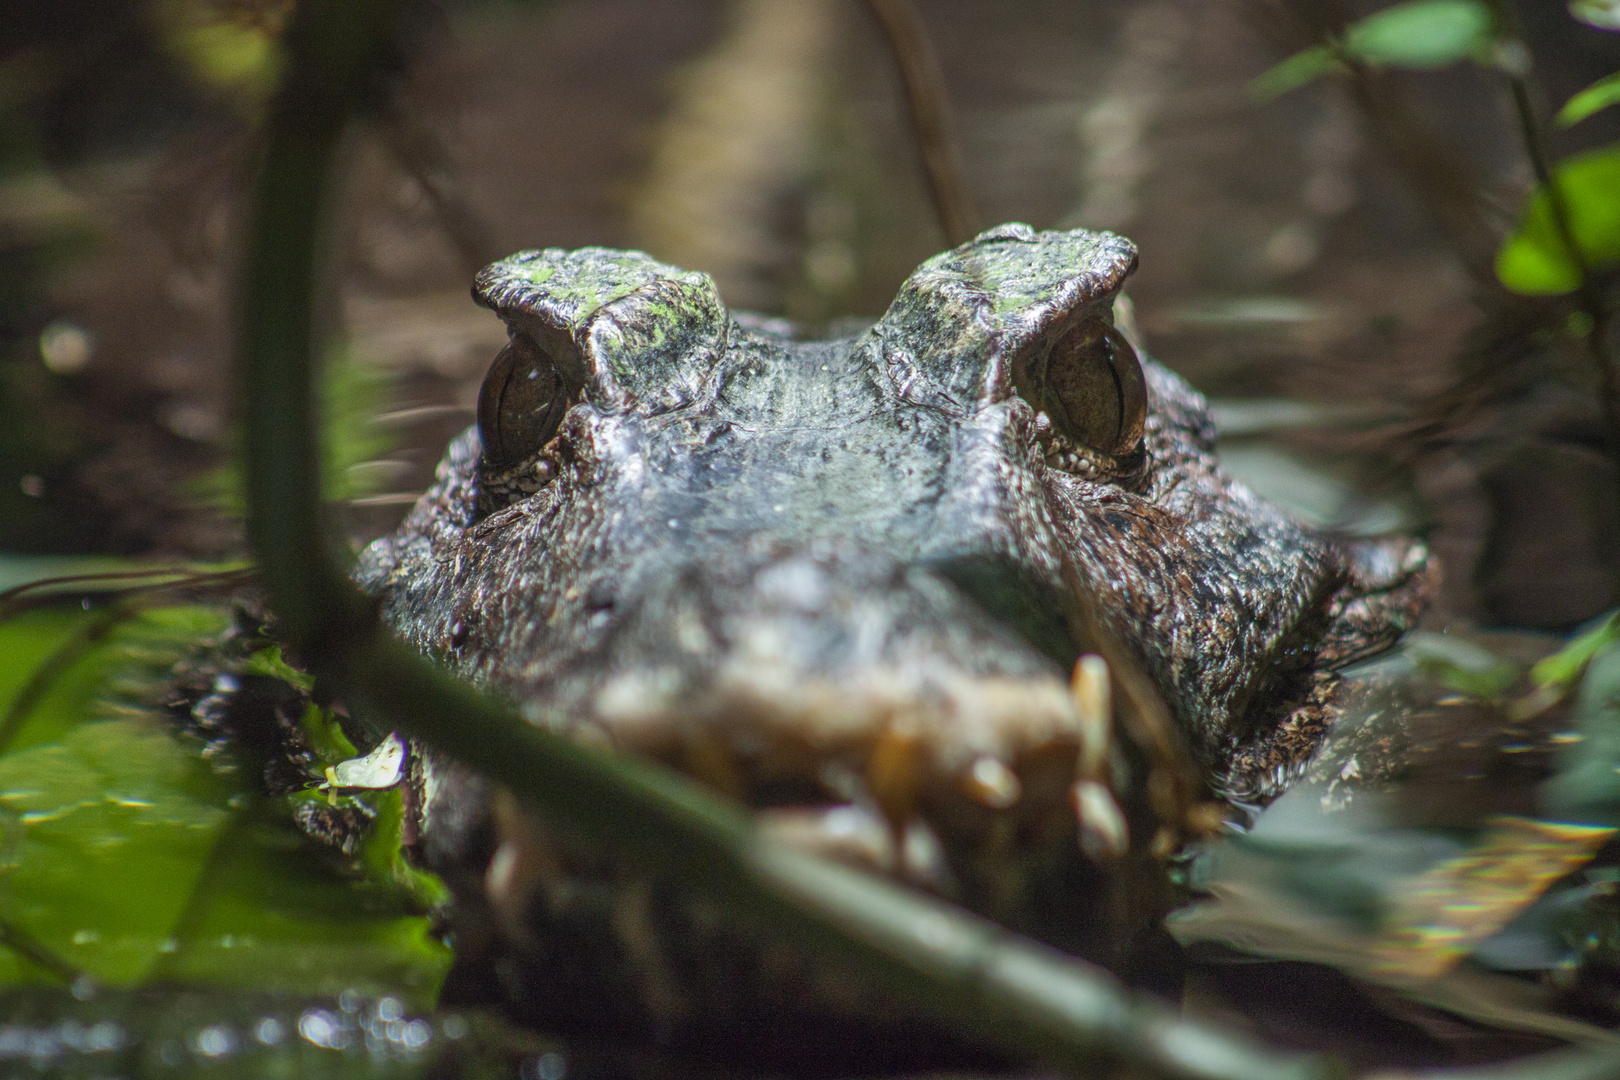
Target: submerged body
<point>784,566</point>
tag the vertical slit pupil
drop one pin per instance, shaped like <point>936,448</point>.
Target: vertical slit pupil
<point>519,405</point>
<point>1095,392</point>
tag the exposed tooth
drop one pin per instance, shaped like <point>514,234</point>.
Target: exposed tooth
<point>993,784</point>
<point>517,869</point>
<point>1095,710</point>
<point>1103,832</point>
<point>894,775</point>
<point>851,834</point>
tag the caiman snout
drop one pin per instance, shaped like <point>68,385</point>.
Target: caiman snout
<point>830,674</point>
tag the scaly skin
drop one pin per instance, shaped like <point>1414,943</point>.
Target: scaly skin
<point>784,565</point>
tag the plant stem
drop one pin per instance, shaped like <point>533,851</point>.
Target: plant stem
<point>92,632</point>
<point>1588,294</point>
<point>20,942</point>
<point>930,118</point>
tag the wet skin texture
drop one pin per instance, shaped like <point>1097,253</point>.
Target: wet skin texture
<point>842,573</point>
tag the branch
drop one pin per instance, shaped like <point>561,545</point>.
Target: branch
<point>930,118</point>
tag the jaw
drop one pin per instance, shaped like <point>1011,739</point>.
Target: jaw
<point>865,709</point>
<point>824,675</point>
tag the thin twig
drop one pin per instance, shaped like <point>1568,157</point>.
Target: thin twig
<point>50,589</point>
<point>1434,171</point>
<point>930,118</point>
<point>1588,294</point>
<point>85,637</point>
<point>46,591</point>
<point>23,944</point>
<point>420,151</point>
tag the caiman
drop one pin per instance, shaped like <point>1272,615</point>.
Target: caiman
<point>844,582</point>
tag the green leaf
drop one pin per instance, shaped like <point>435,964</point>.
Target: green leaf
<point>1534,260</point>
<point>1293,73</point>
<point>272,916</point>
<point>1418,34</point>
<point>1603,14</point>
<point>1586,784</point>
<point>1461,665</point>
<point>1565,666</point>
<point>1600,95</point>
<point>1422,34</point>
<point>109,831</point>
<point>133,658</point>
<point>130,855</point>
<point>269,663</point>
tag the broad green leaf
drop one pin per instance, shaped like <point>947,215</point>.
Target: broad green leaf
<point>1595,98</point>
<point>1461,665</point>
<point>108,833</point>
<point>132,658</point>
<point>1422,33</point>
<point>271,915</point>
<point>27,642</point>
<point>1534,260</point>
<point>127,853</point>
<point>1293,73</point>
<point>1418,34</point>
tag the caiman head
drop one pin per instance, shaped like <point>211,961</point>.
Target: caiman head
<point>850,572</point>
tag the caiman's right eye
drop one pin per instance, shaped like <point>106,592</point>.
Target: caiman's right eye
<point>520,404</point>
<point>1095,392</point>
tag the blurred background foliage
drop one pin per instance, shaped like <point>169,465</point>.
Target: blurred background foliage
<point>1347,241</point>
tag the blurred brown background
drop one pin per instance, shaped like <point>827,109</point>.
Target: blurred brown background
<point>1292,265</point>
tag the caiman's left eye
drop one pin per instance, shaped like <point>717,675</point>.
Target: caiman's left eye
<point>520,404</point>
<point>1094,390</point>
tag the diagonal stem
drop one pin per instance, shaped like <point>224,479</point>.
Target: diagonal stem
<point>930,118</point>
<point>1588,294</point>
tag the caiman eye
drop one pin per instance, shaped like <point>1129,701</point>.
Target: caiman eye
<point>1095,393</point>
<point>520,404</point>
